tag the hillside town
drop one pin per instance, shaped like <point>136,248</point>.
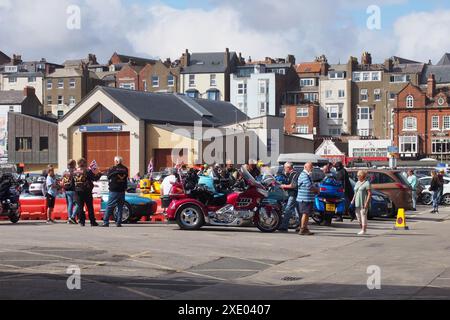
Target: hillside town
<point>361,109</point>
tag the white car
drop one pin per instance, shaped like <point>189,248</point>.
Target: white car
<point>37,187</point>
<point>101,186</point>
<point>427,195</point>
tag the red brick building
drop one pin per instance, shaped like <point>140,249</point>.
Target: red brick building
<point>301,119</point>
<point>422,122</point>
<point>129,77</point>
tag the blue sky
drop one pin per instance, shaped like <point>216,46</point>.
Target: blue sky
<point>414,29</point>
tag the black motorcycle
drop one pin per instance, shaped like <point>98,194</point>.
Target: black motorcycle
<point>10,190</point>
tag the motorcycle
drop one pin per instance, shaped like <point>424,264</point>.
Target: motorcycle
<point>330,202</point>
<point>243,205</point>
<point>10,191</point>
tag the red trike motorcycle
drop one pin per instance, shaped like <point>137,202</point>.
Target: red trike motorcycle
<point>243,206</point>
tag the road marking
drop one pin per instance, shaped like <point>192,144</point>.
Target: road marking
<point>227,270</point>
<point>140,254</point>
<point>145,295</point>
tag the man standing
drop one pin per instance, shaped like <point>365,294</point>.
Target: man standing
<point>118,184</point>
<point>305,198</point>
<point>292,189</point>
<point>84,183</point>
<point>413,182</point>
<point>69,189</point>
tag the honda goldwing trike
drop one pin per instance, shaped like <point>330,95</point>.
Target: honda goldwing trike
<point>330,202</point>
<point>205,206</point>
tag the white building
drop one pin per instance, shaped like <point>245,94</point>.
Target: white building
<point>17,81</point>
<point>253,91</point>
<point>368,148</point>
<point>335,102</point>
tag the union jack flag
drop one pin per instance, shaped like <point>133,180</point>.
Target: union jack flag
<point>150,167</point>
<point>93,166</point>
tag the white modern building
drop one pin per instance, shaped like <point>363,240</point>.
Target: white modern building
<point>368,148</point>
<point>335,102</point>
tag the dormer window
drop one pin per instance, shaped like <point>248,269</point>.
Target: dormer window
<point>410,102</point>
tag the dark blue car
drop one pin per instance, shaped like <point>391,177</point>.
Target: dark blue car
<point>380,205</point>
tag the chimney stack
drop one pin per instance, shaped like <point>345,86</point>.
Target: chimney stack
<point>17,59</point>
<point>29,91</point>
<point>388,65</point>
<point>431,86</point>
<point>227,57</point>
<point>366,59</point>
<point>291,59</point>
<point>186,59</point>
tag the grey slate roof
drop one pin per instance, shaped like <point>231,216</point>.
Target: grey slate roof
<point>409,68</point>
<point>445,60</point>
<point>11,97</point>
<point>24,75</point>
<point>400,60</point>
<point>210,62</point>
<point>441,73</point>
<point>174,109</point>
<point>137,60</point>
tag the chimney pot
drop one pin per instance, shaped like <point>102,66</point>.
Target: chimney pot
<point>431,86</point>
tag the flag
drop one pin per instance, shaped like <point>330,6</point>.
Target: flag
<point>93,166</point>
<point>150,167</point>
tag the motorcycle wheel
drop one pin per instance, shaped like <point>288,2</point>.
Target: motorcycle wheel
<point>266,223</point>
<point>295,221</point>
<point>190,217</point>
<point>317,219</point>
<point>14,218</point>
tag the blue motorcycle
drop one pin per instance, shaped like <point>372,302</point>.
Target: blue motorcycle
<point>330,202</point>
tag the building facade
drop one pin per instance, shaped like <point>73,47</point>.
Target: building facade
<point>20,80</point>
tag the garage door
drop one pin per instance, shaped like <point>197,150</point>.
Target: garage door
<point>163,158</point>
<point>103,147</point>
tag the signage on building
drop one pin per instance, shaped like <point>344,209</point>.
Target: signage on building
<point>393,150</point>
<point>113,128</point>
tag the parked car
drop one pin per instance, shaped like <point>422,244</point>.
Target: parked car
<point>380,205</point>
<point>427,195</point>
<point>136,207</point>
<point>392,183</point>
<point>101,186</point>
<point>37,187</point>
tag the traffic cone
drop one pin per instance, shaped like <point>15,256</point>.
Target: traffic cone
<point>400,224</point>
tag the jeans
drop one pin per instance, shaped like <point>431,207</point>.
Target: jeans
<point>71,205</point>
<point>116,199</point>
<point>414,199</point>
<point>82,199</point>
<point>288,212</point>
<point>437,199</point>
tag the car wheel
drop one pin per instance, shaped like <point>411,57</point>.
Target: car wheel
<point>446,199</point>
<point>427,199</point>
<point>126,213</point>
<point>190,217</point>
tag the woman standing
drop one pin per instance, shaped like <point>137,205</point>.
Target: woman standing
<point>52,192</point>
<point>361,200</point>
<point>435,187</point>
<point>69,188</point>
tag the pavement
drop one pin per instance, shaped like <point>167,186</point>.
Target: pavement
<point>160,262</point>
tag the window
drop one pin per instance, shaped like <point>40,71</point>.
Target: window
<point>303,129</point>
<point>72,83</point>
<point>192,94</point>
<point>12,80</point>
<point>375,76</point>
<point>408,144</point>
<point>263,84</point>
<point>263,108</point>
<point>31,79</point>
<point>155,81</point>
<point>341,93</point>
<point>377,94</point>
<point>24,144</point>
<point>366,76</point>
<point>364,132</point>
<point>410,102</point>
<point>127,86</point>
<point>356,77</point>
<point>170,81</point>
<point>329,94</point>
<point>61,84</point>
<point>311,97</point>
<point>334,112</point>
<point>60,114</point>
<point>212,80</point>
<point>435,123</point>
<point>380,178</point>
<point>242,88</point>
<point>392,95</point>
<point>60,100</point>
<point>49,84</point>
<point>192,80</point>
<point>400,78</point>
<point>283,111</point>
<point>409,124</point>
<point>99,115</point>
<point>334,131</point>
<point>72,101</point>
<point>336,75</point>
<point>364,95</point>
<point>364,113</point>
<point>213,95</point>
<point>49,100</point>
<point>446,123</point>
<point>311,82</point>
<point>43,144</point>
<point>302,112</point>
<point>441,146</point>
<point>11,108</point>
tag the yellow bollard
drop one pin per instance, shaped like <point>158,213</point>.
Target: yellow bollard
<point>400,224</point>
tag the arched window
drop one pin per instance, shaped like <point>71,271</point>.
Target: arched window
<point>410,102</point>
<point>410,123</point>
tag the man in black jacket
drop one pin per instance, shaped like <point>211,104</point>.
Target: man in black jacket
<point>343,177</point>
<point>118,184</point>
<point>84,183</point>
<point>292,188</point>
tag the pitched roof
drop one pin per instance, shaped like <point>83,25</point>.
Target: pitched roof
<point>136,60</point>
<point>65,72</point>
<point>209,62</point>
<point>441,73</point>
<point>174,109</point>
<point>12,97</point>
<point>308,67</point>
<point>400,60</point>
<point>4,57</point>
<point>445,60</point>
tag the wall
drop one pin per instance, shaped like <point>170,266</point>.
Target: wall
<point>162,71</point>
<point>202,84</point>
<point>335,85</point>
<point>22,82</point>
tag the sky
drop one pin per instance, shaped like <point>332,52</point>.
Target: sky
<point>412,29</point>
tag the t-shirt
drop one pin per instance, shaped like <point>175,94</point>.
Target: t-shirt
<point>361,193</point>
<point>412,180</point>
<point>51,186</point>
<point>305,185</point>
<point>167,184</point>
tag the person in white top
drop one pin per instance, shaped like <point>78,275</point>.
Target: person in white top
<point>168,182</point>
